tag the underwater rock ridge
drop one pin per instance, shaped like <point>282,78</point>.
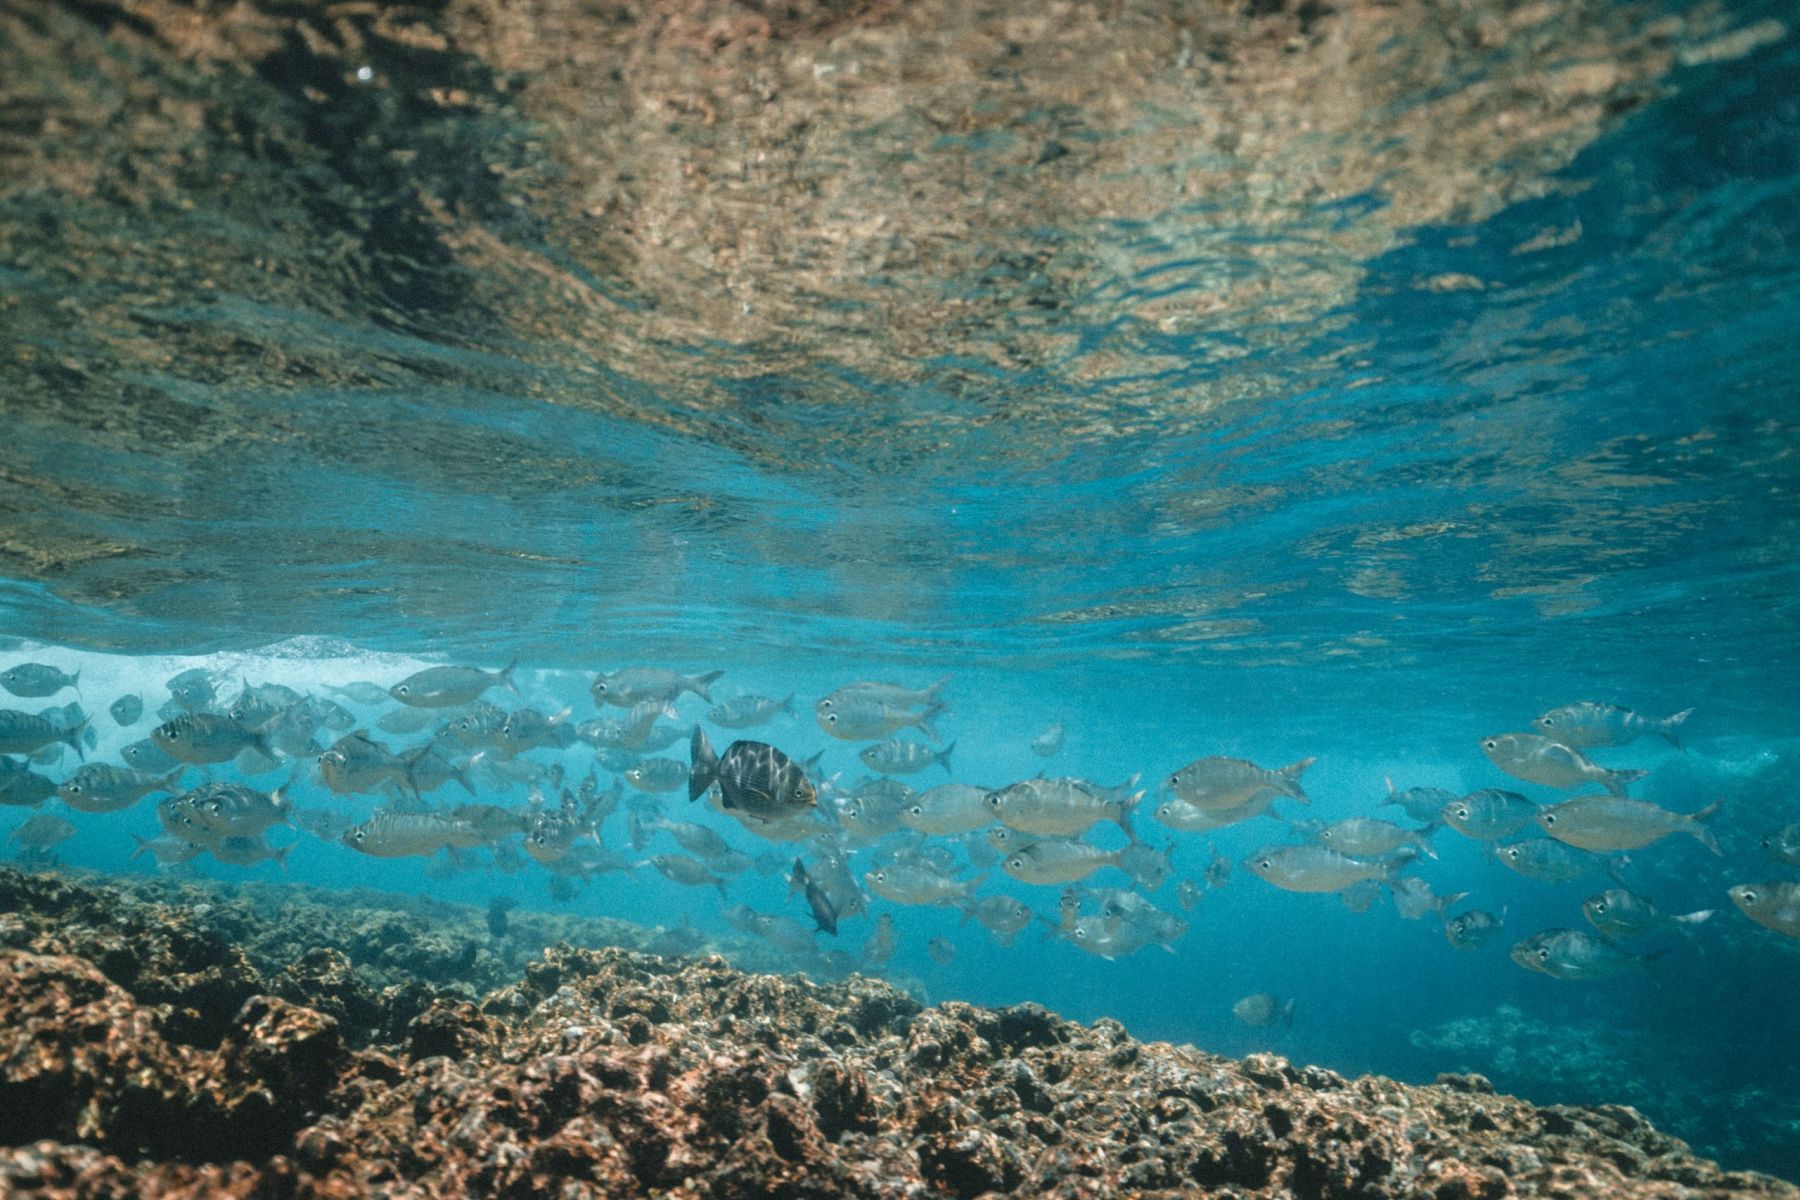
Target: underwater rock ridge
<point>612,1072</point>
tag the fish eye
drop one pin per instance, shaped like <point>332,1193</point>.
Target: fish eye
<point>1546,722</point>
<point>1749,896</point>
<point>1462,814</point>
<point>825,704</point>
<point>361,835</point>
<point>1265,864</point>
<point>831,718</point>
<point>1549,818</point>
<point>402,690</point>
<point>1324,835</point>
<point>881,877</point>
<point>1080,933</point>
<point>1599,906</point>
<point>1016,861</point>
<point>1490,744</point>
<point>1512,852</point>
<point>73,788</point>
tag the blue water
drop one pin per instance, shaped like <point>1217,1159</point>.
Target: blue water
<point>1544,454</point>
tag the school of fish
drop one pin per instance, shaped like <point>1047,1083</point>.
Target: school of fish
<point>853,852</point>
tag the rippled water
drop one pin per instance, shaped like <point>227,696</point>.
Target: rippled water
<point>1344,381</point>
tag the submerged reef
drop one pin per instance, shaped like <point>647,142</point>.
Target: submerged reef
<point>245,1045</point>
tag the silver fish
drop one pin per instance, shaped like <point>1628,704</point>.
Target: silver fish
<point>1312,868</point>
<point>1537,759</point>
<point>390,834</point>
<point>1054,861</point>
<point>222,810</point>
<point>1472,929</point>
<point>203,737</point>
<point>942,951</point>
<point>862,719</point>
<point>679,868</point>
<point>1551,861</point>
<point>753,778</point>
<point>1002,916</point>
<point>354,764</point>
<point>43,832</point>
<point>146,755</point>
<point>1589,723</point>
<point>193,689</point>
<point>656,775</point>
<point>247,852</point>
<point>1489,814</point>
<point>1572,954</point>
<point>883,693</point>
<point>1366,837</point>
<point>102,788</point>
<point>904,884</point>
<point>361,692</point>
<point>126,710</point>
<point>1223,783</point>
<point>1063,807</point>
<point>949,808</point>
<point>1047,743</point>
<point>1772,905</point>
<point>1606,823</point>
<point>1264,1009</point>
<point>27,733</point>
<point>1419,803</point>
<point>1620,913</point>
<point>1179,814</point>
<point>450,687</point>
<point>746,712</point>
<point>405,720</point>
<point>166,850</point>
<point>901,757</point>
<point>639,685</point>
<point>36,680</point>
<point>1784,845</point>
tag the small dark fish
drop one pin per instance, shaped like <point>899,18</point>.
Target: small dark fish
<point>1264,1009</point>
<point>753,777</point>
<point>146,755</point>
<point>942,951</point>
<point>824,912</point>
<point>27,733</point>
<point>127,710</point>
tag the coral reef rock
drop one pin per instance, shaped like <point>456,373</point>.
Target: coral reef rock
<point>609,1072</point>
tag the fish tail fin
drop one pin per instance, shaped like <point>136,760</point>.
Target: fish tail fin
<point>703,766</point>
<point>797,878</point>
<point>1128,805</point>
<point>925,719</point>
<point>1287,1012</point>
<point>1615,781</point>
<point>1444,903</point>
<point>281,856</point>
<point>700,683</point>
<point>169,782</point>
<point>460,773</point>
<point>75,681</point>
<point>1695,918</point>
<point>73,738</point>
<point>1393,796</point>
<point>719,882</point>
<point>143,846</point>
<point>1695,825</point>
<point>787,706</point>
<point>942,757</point>
<point>1665,728</point>
<point>1288,780</point>
<point>506,675</point>
<point>932,690</point>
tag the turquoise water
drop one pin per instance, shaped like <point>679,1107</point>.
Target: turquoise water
<point>1336,482</point>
